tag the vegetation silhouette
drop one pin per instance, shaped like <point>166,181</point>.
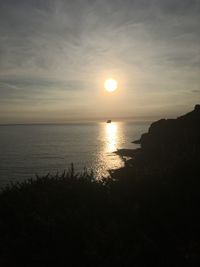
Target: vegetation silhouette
<point>146,213</point>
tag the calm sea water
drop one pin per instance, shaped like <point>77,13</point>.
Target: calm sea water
<point>29,149</point>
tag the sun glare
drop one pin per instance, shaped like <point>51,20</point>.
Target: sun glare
<point>110,85</point>
<point>111,137</point>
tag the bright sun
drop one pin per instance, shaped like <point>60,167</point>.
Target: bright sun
<point>110,85</point>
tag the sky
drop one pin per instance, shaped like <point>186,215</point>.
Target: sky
<point>55,56</point>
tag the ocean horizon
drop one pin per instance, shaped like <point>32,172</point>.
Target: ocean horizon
<point>30,149</point>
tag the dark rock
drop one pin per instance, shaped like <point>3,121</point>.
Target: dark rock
<point>169,143</point>
<point>173,136</point>
<point>137,142</point>
<point>197,108</point>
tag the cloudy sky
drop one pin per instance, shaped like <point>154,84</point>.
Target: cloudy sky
<point>55,56</point>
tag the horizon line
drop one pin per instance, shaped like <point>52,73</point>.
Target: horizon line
<point>136,119</point>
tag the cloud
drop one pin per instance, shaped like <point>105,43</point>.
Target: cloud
<point>32,90</point>
<point>196,91</point>
<point>63,47</point>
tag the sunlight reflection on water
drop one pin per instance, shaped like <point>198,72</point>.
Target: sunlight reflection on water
<point>42,149</point>
<point>112,138</point>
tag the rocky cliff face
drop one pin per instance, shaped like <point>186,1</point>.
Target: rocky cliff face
<point>170,138</point>
<point>170,147</point>
<point>162,183</point>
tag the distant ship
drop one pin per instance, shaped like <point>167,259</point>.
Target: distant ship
<point>109,121</point>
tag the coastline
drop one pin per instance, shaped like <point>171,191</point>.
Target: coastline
<point>145,214</point>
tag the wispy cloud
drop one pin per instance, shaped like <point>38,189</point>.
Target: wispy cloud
<point>50,48</point>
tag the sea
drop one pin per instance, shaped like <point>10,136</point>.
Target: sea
<point>27,150</point>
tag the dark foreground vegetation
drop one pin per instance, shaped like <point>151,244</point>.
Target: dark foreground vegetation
<point>146,214</point>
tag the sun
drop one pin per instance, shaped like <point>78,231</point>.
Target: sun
<point>110,85</point>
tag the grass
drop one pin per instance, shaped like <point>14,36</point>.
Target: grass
<point>74,220</point>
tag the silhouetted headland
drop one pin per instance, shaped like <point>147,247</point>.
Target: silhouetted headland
<point>145,214</point>
<point>168,143</point>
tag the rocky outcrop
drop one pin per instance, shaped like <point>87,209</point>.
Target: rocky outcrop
<point>162,183</point>
<point>171,146</point>
<point>173,137</point>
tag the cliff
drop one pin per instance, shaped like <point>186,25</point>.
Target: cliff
<point>173,137</point>
<point>170,145</point>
